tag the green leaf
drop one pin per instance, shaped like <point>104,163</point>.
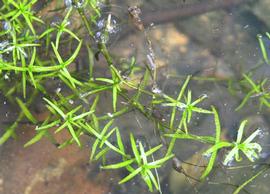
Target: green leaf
<point>94,104</point>
<point>36,138</point>
<point>143,156</point>
<point>105,138</point>
<point>252,136</point>
<point>102,153</point>
<point>218,146</point>
<point>94,148</point>
<point>152,150</point>
<point>214,153</point>
<point>114,98</point>
<point>47,126</point>
<point>153,179</point>
<point>131,175</point>
<point>82,115</point>
<point>58,110</point>
<point>104,80</point>
<point>147,180</point>
<point>200,110</point>
<point>118,165</point>
<point>230,155</point>
<point>62,127</point>
<point>181,135</point>
<point>134,149</point>
<point>263,49</point>
<point>240,131</point>
<point>73,134</point>
<point>26,111</point>
<point>244,101</point>
<point>250,180</point>
<point>119,141</point>
<point>160,161</point>
<point>178,99</point>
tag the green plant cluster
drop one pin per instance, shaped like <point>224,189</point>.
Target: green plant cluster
<point>34,53</point>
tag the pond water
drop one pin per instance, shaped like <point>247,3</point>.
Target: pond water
<point>216,43</point>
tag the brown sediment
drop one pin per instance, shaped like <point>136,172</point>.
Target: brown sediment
<point>45,169</point>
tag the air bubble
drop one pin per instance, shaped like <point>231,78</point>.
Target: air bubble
<point>3,44</point>
<point>207,155</point>
<point>108,27</point>
<point>68,3</point>
<point>100,24</point>
<point>255,166</point>
<point>259,36</point>
<point>156,90</point>
<point>6,76</point>
<point>58,90</point>
<point>229,163</point>
<point>260,133</point>
<point>79,4</point>
<point>100,4</point>
<point>203,96</point>
<point>6,25</point>
<point>150,59</point>
<point>110,114</point>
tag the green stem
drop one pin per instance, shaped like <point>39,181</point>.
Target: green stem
<point>84,18</point>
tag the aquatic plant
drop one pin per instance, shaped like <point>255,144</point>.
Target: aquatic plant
<point>34,53</point>
<point>256,91</point>
<point>248,148</point>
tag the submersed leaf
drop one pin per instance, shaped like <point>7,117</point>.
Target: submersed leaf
<point>244,101</point>
<point>94,148</point>
<point>119,141</point>
<point>218,146</point>
<point>58,110</point>
<point>248,148</point>
<point>181,135</point>
<point>73,134</point>
<point>152,180</point>
<point>118,165</point>
<point>50,125</point>
<point>241,131</point>
<point>217,140</point>
<point>134,149</point>
<point>250,180</point>
<point>252,136</point>
<point>26,111</point>
<point>263,49</point>
<point>147,180</point>
<point>114,97</point>
<point>160,161</point>
<point>182,90</point>
<point>102,153</point>
<point>131,175</point>
<point>152,150</point>
<point>36,138</point>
